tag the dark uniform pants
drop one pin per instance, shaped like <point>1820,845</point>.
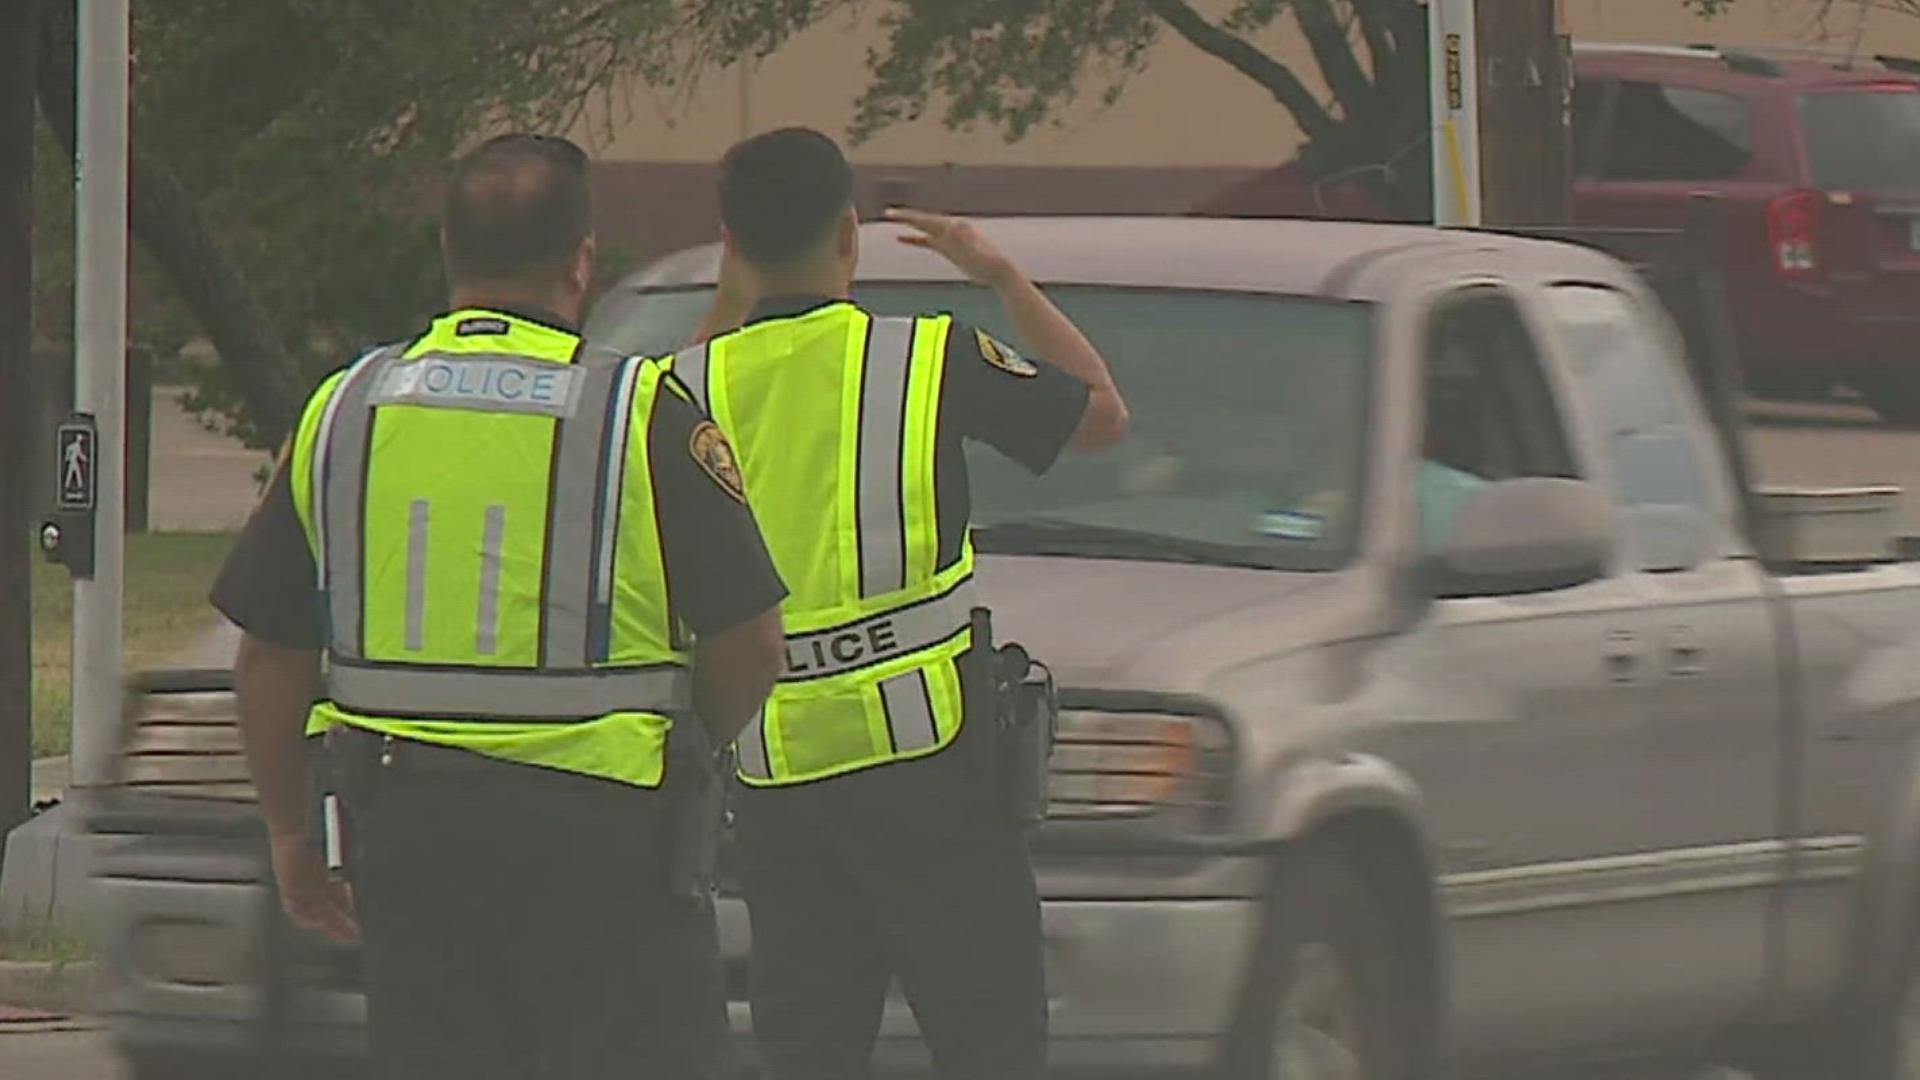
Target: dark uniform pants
<point>519,927</point>
<point>906,871</point>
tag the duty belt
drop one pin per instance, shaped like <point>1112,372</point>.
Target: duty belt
<point>848,647</point>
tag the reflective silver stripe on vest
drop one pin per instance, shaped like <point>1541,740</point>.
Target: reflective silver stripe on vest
<point>883,424</point>
<point>508,696</point>
<point>340,471</point>
<point>909,706</point>
<point>690,366</point>
<point>607,528</point>
<point>486,614</point>
<point>751,748</point>
<point>902,632</point>
<point>483,382</point>
<point>419,519</point>
<point>578,445</point>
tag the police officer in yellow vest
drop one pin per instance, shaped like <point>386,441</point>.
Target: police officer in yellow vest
<point>871,847</point>
<point>527,566</point>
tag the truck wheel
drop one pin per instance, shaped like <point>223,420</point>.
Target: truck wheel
<point>1888,1047</point>
<point>1327,996</point>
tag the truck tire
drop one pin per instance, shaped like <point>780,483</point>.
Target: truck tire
<point>1887,1043</point>
<point>1328,994</point>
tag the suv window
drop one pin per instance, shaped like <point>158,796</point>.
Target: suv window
<point>1628,379</point>
<point>1863,138</point>
<point>1589,115</point>
<point>1677,133</point>
<point>1490,414</point>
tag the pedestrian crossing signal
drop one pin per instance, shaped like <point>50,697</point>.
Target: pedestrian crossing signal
<point>77,457</point>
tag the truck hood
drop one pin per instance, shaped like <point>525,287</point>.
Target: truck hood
<point>1138,625</point>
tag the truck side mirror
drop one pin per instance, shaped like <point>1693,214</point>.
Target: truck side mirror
<point>1533,534</point>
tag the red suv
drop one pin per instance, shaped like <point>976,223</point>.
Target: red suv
<point>1818,159</point>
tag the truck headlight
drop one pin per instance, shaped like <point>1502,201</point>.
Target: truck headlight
<point>193,953</point>
<point>1109,764</point>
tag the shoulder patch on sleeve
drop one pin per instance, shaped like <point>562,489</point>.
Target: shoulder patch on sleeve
<point>1001,355</point>
<point>714,455</point>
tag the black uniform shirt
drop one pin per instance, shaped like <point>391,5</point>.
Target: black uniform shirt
<point>1025,408</point>
<point>716,562</point>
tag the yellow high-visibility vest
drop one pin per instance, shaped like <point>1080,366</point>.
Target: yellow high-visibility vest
<point>481,515</point>
<point>833,416</point>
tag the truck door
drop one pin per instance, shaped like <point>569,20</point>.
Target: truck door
<point>1526,730</point>
<point>1705,790</point>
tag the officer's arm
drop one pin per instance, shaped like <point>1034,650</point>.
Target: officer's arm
<point>275,687</point>
<point>1047,330</point>
<point>1038,324</point>
<point>733,671</point>
<point>266,588</point>
<point>724,584</point>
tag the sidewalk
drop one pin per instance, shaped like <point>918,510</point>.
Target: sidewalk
<point>200,481</point>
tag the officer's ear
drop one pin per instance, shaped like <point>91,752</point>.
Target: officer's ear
<point>580,276</point>
<point>849,245</point>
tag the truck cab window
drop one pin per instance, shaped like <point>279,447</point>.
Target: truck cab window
<point>1649,438</point>
<point>1490,414</point>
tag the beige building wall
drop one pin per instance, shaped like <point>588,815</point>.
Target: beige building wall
<point>1184,110</point>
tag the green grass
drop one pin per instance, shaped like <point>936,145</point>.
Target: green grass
<point>44,945</point>
<point>167,575</point>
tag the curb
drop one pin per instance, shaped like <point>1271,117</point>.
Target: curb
<point>61,988</point>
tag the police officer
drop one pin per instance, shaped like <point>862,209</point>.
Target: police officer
<point>526,565</point>
<point>871,846</point>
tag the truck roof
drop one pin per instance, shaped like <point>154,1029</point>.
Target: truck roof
<point>1738,68</point>
<point>1331,259</point>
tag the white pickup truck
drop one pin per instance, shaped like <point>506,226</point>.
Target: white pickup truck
<point>1430,702</point>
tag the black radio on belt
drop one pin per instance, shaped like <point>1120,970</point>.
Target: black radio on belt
<point>1026,719</point>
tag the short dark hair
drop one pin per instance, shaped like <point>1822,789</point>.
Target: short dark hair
<point>782,192</point>
<point>517,208</point>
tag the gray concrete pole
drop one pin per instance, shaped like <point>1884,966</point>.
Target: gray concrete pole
<point>100,351</point>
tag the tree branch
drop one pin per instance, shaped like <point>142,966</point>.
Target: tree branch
<point>1381,47</point>
<point>1242,56</point>
<point>168,224</point>
<point>1333,51</point>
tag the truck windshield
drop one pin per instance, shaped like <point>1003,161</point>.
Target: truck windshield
<point>1868,138</point>
<point>1248,422</point>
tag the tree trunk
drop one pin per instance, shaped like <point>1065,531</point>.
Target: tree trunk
<point>17,41</point>
<point>167,223</point>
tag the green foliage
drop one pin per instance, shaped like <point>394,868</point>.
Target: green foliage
<point>168,576</point>
<point>311,135</point>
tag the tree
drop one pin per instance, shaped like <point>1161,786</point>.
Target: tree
<point>1013,63</point>
<point>286,151</point>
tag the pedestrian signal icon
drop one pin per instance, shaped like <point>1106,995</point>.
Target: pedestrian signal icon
<point>78,461</point>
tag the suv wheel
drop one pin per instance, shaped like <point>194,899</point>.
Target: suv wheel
<point>1327,997</point>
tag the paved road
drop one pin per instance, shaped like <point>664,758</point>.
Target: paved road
<point>44,1053</point>
<point>86,1056</point>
